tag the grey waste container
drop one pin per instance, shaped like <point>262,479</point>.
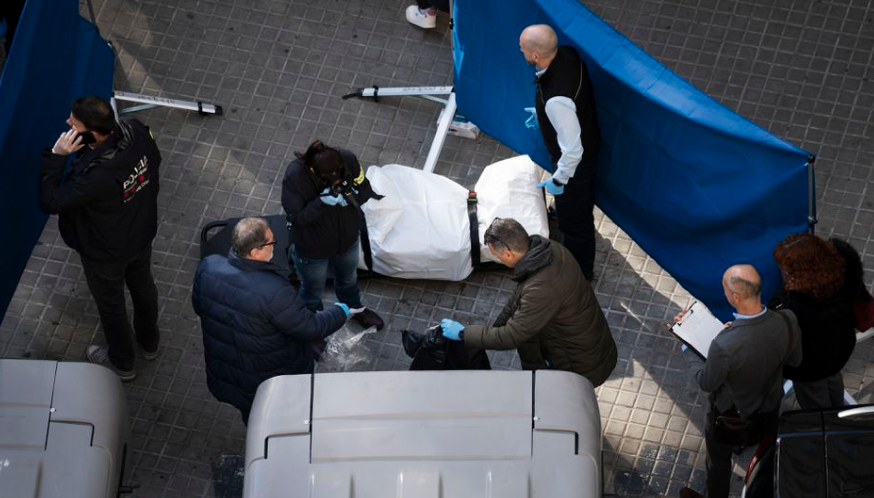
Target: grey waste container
<point>424,434</point>
<point>63,430</point>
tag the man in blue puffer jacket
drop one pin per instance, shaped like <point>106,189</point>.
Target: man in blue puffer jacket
<point>255,326</point>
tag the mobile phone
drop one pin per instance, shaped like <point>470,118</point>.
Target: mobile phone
<point>87,138</point>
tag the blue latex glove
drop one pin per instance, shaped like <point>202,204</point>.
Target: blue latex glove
<point>551,187</point>
<point>451,329</point>
<point>344,308</point>
<point>531,123</point>
<point>332,200</point>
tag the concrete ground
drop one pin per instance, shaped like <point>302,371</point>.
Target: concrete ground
<point>801,69</point>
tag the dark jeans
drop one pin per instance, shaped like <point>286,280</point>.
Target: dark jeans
<point>718,463</point>
<point>575,218</point>
<point>437,4</point>
<point>106,280</point>
<point>314,272</point>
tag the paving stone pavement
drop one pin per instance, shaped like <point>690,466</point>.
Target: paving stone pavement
<point>801,69</point>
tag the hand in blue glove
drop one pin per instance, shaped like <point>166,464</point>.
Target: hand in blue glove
<point>451,329</point>
<point>344,308</point>
<point>332,200</point>
<point>531,123</point>
<point>552,187</point>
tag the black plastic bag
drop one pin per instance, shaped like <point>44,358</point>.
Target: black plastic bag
<point>432,351</point>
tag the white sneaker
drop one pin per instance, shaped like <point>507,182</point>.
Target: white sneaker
<point>425,21</point>
<point>100,356</point>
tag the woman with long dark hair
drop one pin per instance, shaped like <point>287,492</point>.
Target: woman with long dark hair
<point>821,282</point>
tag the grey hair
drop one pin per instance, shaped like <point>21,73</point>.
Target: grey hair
<point>508,233</point>
<point>746,288</point>
<point>249,234</point>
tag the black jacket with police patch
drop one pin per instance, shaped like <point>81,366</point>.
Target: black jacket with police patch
<point>320,231</point>
<point>108,202</point>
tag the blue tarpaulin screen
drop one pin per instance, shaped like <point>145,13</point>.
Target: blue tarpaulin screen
<point>56,57</point>
<point>697,186</point>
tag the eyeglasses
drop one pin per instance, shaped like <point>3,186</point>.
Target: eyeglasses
<point>489,238</point>
<point>272,243</point>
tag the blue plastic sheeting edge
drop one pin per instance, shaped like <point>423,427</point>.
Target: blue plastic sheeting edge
<point>697,186</point>
<point>57,56</point>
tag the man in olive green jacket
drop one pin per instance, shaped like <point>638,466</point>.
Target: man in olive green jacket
<point>553,317</point>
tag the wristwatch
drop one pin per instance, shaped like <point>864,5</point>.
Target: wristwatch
<point>557,183</point>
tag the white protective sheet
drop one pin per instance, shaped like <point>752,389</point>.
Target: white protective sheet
<point>506,189</point>
<point>421,228</point>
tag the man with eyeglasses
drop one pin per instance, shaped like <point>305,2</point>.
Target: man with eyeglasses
<point>553,318</point>
<point>255,326</point>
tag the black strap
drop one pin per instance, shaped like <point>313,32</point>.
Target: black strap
<point>365,241</point>
<point>474,229</point>
<point>791,335</point>
<point>789,330</point>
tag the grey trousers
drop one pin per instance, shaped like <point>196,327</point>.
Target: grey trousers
<point>825,393</point>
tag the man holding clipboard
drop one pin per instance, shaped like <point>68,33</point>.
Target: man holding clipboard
<point>743,373</point>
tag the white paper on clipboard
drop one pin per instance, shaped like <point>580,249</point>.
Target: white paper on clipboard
<point>698,328</point>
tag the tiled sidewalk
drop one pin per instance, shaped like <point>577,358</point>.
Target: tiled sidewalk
<point>800,69</point>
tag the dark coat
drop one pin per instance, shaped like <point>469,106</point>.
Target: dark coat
<point>255,326</point>
<point>828,332</point>
<point>108,203</point>
<point>320,231</point>
<point>553,317</point>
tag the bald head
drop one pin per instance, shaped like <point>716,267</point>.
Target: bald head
<point>539,45</point>
<point>743,281</point>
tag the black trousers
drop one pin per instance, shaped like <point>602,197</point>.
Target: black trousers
<point>106,281</point>
<point>437,4</point>
<point>575,218</point>
<point>718,463</point>
<point>824,393</point>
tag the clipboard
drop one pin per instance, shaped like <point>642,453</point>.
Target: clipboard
<point>698,328</point>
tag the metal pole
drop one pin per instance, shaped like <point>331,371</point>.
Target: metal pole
<point>200,107</point>
<point>376,92</point>
<point>440,136</point>
<point>811,194</point>
<point>93,17</point>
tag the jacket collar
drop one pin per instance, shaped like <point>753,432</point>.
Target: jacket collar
<point>120,139</point>
<point>539,255</point>
<point>249,264</point>
<point>753,320</point>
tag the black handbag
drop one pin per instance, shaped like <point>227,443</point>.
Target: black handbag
<point>736,431</point>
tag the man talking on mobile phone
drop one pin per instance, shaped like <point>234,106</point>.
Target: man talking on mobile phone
<point>107,207</point>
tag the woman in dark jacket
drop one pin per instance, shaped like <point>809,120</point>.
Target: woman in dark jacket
<point>821,282</point>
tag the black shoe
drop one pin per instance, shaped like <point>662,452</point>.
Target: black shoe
<point>149,355</point>
<point>690,493</point>
<point>368,318</point>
